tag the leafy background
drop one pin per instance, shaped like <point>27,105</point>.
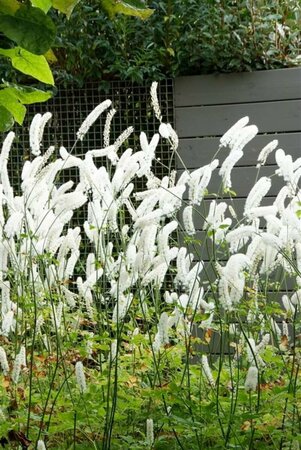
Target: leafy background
<point>182,37</point>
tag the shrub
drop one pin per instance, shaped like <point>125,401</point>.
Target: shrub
<point>181,38</point>
<point>114,358</point>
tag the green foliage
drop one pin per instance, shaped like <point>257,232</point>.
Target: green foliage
<point>182,37</point>
<point>13,100</point>
<point>29,28</point>
<point>28,33</point>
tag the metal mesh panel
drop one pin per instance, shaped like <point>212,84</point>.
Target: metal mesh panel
<point>71,106</point>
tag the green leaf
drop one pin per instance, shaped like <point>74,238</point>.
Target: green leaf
<point>28,95</point>
<point>129,7</point>
<point>34,65</point>
<point>65,6</point>
<point>44,5</point>
<point>10,101</point>
<point>6,119</point>
<point>30,28</point>
<point>9,6</point>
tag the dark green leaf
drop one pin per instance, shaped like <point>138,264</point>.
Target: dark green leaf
<point>30,28</point>
<point>9,6</point>
<point>6,119</point>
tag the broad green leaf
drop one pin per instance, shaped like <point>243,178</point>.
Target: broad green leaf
<point>6,119</point>
<point>34,65</point>
<point>44,5</point>
<point>30,28</point>
<point>28,95</point>
<point>10,101</point>
<point>129,7</point>
<point>65,6</point>
<point>9,6</point>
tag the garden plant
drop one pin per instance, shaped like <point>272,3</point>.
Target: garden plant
<point>114,332</point>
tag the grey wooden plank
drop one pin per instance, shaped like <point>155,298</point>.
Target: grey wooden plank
<point>286,283</point>
<point>203,246</point>
<point>196,152</point>
<point>200,212</point>
<point>270,117</point>
<point>267,85</point>
<point>243,179</point>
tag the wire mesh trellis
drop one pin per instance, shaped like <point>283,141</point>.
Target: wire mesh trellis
<point>71,106</point>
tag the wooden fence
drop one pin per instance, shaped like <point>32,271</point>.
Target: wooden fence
<point>207,106</point>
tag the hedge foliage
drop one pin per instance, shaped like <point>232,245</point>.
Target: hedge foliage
<point>182,37</point>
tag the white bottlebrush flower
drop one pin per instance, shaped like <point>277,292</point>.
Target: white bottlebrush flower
<point>6,147</point>
<point>296,298</point>
<point>3,361</point>
<point>36,131</point>
<point>263,343</point>
<point>34,135</point>
<point>285,164</point>
<point>122,138</point>
<point>22,354</point>
<point>19,360</point>
<point>227,166</point>
<point>161,337</point>
<point>154,101</point>
<point>150,432</point>
<point>183,300</point>
<point>167,132</point>
<point>251,379</point>
<point>253,352</point>
<point>240,236</point>
<point>41,445</point>
<point>207,370</point>
<point>107,127</point>
<point>91,118</point>
<point>43,162</point>
<point>241,139</point>
<point>258,191</point>
<point>262,157</point>
<point>164,130</point>
<point>122,306</point>
<point>80,376</point>
<point>233,131</point>
<point>113,352</point>
<point>261,211</point>
<point>56,315</point>
<point>188,220</point>
<point>285,331</point>
<point>275,328</point>
<point>8,323</point>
